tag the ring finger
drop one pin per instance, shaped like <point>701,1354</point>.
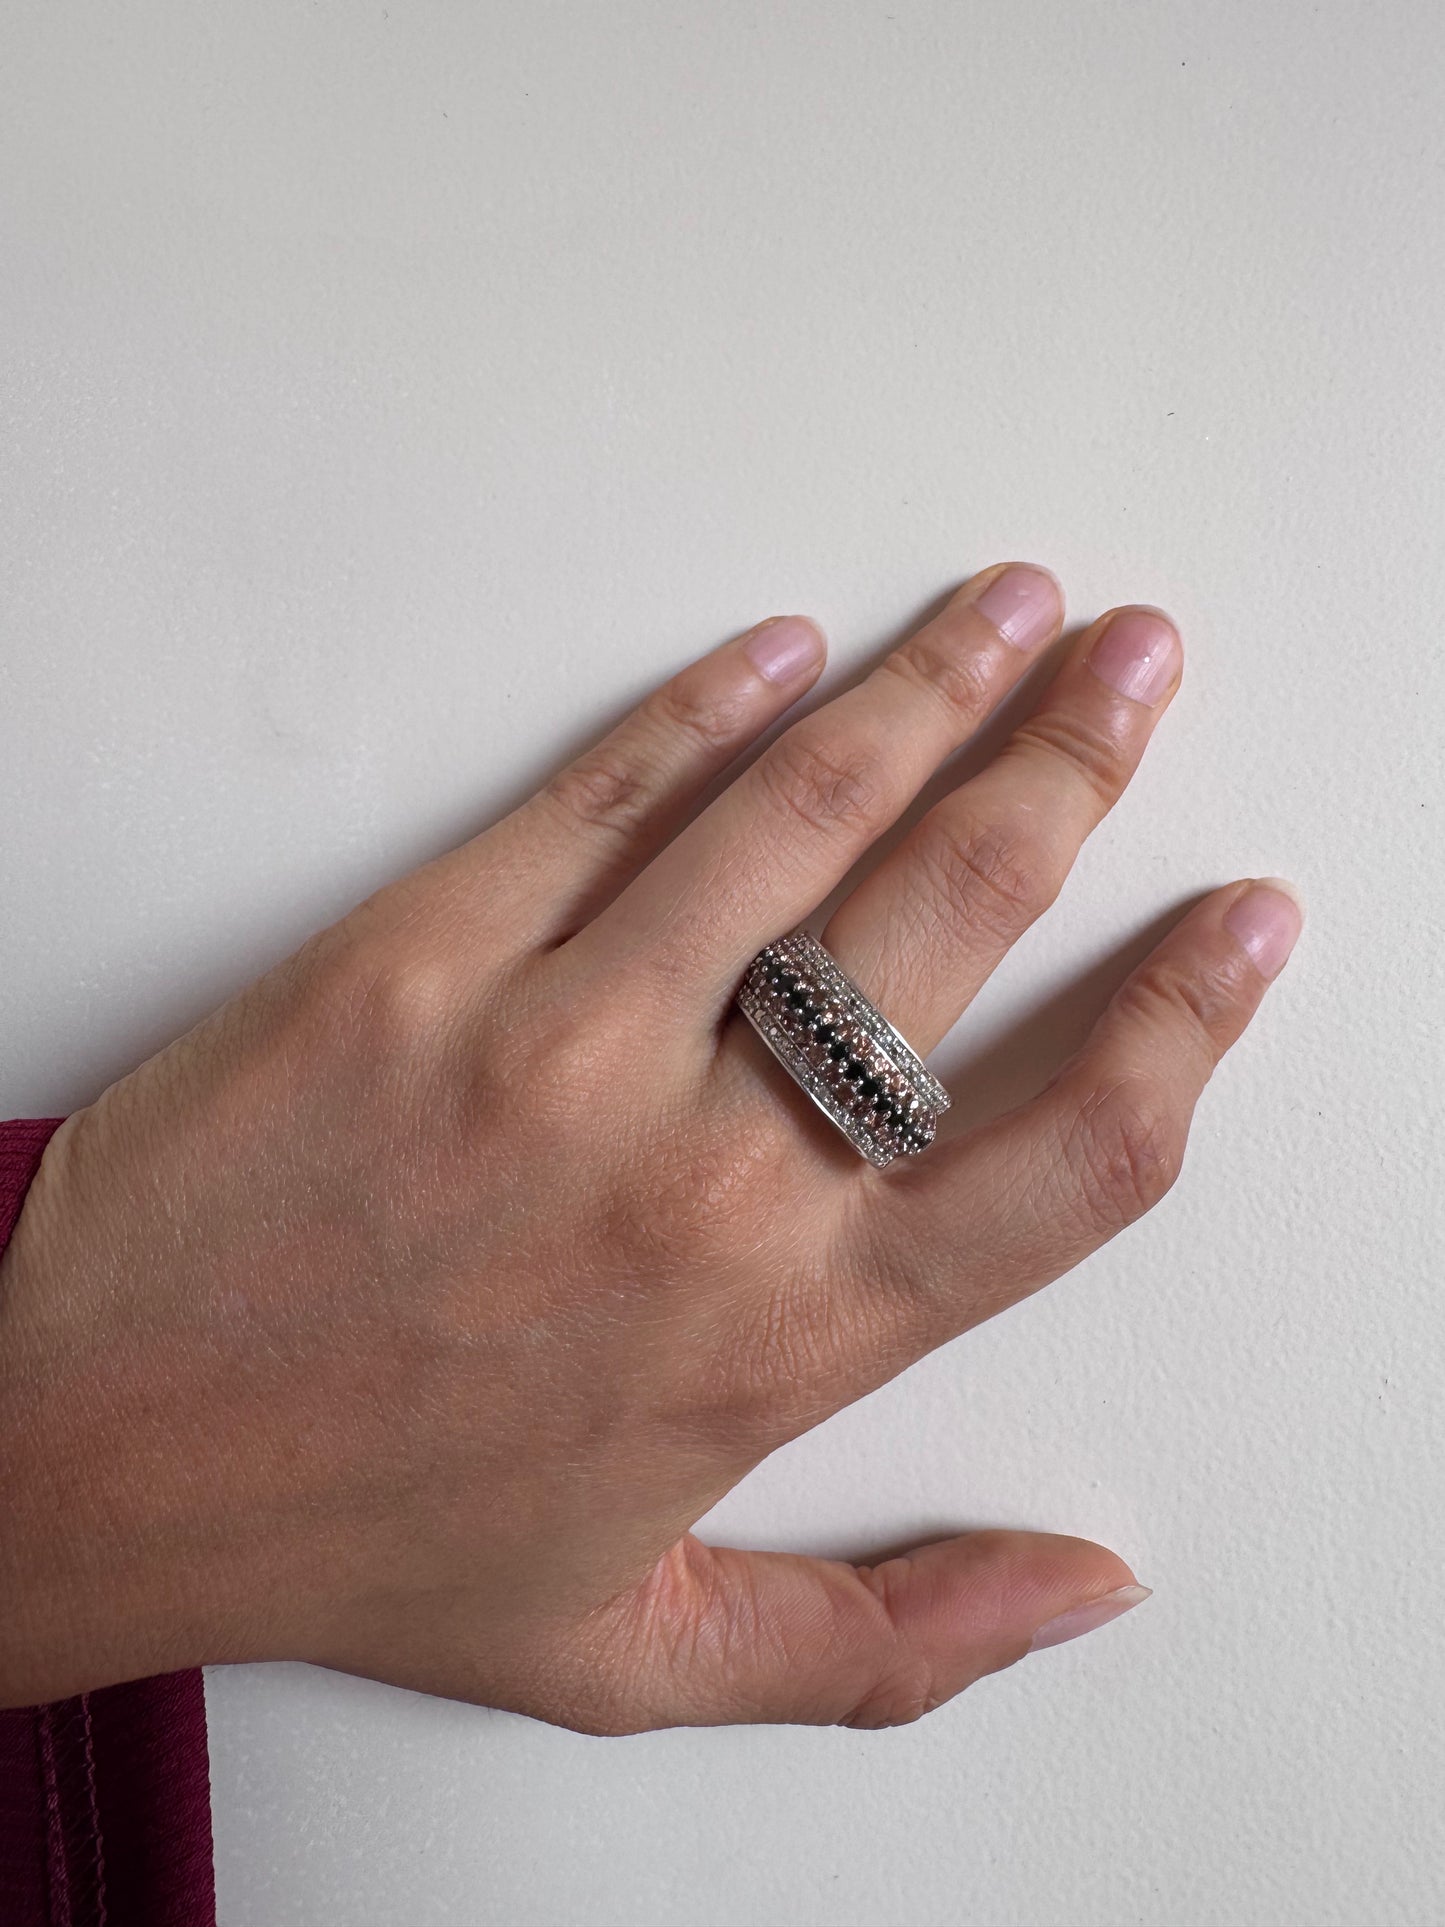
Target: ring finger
<point>922,933</point>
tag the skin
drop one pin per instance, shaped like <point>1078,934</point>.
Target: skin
<point>405,1314</point>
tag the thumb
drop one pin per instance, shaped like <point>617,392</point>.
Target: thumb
<point>714,1636</point>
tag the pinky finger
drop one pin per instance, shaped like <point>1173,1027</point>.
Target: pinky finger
<point>570,847</point>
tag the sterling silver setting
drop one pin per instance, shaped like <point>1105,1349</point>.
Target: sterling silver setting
<point>841,1049</point>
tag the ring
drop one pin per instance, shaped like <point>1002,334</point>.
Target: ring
<point>841,1049</point>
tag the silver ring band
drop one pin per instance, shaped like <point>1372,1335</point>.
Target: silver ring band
<point>841,1049</point>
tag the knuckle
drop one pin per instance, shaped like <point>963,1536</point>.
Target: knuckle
<point>606,1718</point>
<point>901,1695</point>
<point>1126,1149</point>
<point>956,678</point>
<point>397,998</point>
<point>561,1064</point>
<point>693,707</point>
<point>1196,1007</point>
<point>903,1686</point>
<point>604,789</point>
<point>611,786</point>
<point>984,874</point>
<point>1089,754</point>
<point>833,786</point>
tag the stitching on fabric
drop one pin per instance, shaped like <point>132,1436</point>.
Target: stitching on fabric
<point>56,1865</point>
<point>97,1838</point>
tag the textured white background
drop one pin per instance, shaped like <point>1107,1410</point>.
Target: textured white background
<point>390,393</point>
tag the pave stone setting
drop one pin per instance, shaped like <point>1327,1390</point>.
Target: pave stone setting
<point>844,1052</point>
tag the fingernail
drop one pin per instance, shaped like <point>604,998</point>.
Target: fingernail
<point>1084,1619</point>
<point>1136,654</point>
<point>782,649</point>
<point>1022,604</point>
<point>1265,923</point>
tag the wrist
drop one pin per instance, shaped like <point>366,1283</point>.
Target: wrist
<point>93,1569</point>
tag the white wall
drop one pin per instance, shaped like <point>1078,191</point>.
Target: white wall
<point>392,391</point>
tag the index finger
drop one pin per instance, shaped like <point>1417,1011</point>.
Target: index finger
<point>935,1245</point>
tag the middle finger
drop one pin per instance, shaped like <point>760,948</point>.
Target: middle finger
<point>923,931</point>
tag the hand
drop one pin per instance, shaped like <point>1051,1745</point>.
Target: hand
<point>406,1313</point>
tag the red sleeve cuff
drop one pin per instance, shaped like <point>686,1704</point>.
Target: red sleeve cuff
<point>105,1799</point>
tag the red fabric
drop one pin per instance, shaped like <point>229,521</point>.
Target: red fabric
<point>105,1799</point>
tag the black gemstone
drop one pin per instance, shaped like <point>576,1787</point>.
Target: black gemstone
<point>825,1033</point>
<point>881,1104</point>
<point>853,1070</point>
<point>870,1087</point>
<point>810,1015</point>
<point>785,980</point>
<point>796,999</point>
<point>837,1050</point>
